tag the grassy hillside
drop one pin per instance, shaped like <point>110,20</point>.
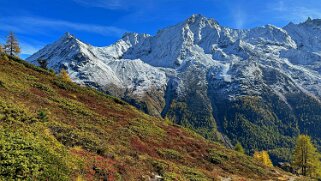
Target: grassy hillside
<point>55,130</point>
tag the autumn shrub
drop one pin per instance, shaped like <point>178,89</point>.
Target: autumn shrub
<point>24,157</point>
<point>194,175</point>
<point>170,154</point>
<point>159,167</point>
<point>64,85</point>
<point>72,137</point>
<point>19,157</point>
<point>217,157</point>
<point>11,114</point>
<point>42,87</point>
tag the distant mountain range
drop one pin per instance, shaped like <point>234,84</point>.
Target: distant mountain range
<point>259,86</point>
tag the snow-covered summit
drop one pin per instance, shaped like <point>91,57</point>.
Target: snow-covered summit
<point>217,61</point>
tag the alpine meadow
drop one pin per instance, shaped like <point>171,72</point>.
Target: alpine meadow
<point>117,90</point>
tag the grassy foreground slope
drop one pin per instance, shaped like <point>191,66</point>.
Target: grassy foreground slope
<point>55,130</point>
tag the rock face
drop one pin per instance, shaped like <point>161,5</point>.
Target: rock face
<point>260,86</point>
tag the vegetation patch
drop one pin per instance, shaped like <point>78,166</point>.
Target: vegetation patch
<point>64,85</point>
<point>2,85</point>
<point>159,167</point>
<point>147,129</point>
<point>72,106</point>
<point>24,157</point>
<point>170,154</point>
<point>73,137</point>
<point>56,130</point>
<point>11,114</point>
<point>194,175</point>
<point>217,157</point>
<point>28,152</point>
<point>42,87</point>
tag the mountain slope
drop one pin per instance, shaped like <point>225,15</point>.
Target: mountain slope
<point>57,130</point>
<point>227,84</point>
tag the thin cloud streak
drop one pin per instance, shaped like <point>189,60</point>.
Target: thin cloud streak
<point>293,11</point>
<point>29,49</point>
<point>239,17</point>
<point>107,4</point>
<point>24,26</point>
<point>125,4</point>
<point>27,25</point>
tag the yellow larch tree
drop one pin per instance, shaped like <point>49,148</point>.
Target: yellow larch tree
<point>64,75</point>
<point>263,157</point>
<point>306,159</point>
<point>12,45</point>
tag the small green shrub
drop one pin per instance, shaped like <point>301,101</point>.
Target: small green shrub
<point>194,175</point>
<point>31,77</point>
<point>2,84</point>
<point>170,154</point>
<point>217,157</point>
<point>43,115</point>
<point>42,87</point>
<point>52,71</point>
<point>64,85</point>
<point>169,176</point>
<point>159,166</point>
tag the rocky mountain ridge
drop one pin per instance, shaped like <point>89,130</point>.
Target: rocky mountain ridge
<point>245,84</point>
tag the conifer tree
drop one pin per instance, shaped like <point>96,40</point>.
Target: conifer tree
<point>43,63</point>
<point>12,46</point>
<point>239,148</point>
<point>64,75</point>
<point>306,158</point>
<point>263,157</point>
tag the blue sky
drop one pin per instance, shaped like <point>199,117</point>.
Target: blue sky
<point>102,22</point>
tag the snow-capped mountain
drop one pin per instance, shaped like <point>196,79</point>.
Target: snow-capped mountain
<point>209,77</point>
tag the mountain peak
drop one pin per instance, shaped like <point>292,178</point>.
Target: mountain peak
<point>198,18</point>
<point>131,35</point>
<point>310,21</point>
<point>67,36</point>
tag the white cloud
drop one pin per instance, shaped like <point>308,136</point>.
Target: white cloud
<point>125,4</point>
<point>239,17</point>
<point>24,26</point>
<point>28,46</point>
<point>107,4</point>
<point>29,49</point>
<point>279,6</point>
<point>43,26</point>
<point>294,10</point>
